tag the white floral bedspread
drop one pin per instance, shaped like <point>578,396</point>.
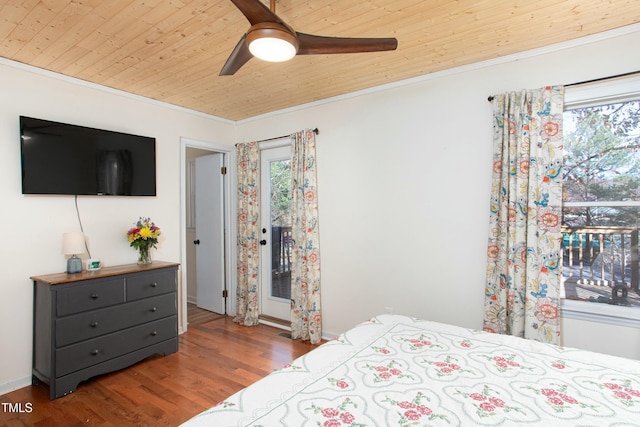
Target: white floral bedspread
<point>398,371</point>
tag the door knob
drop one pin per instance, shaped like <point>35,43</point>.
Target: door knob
<point>263,242</point>
<point>196,242</point>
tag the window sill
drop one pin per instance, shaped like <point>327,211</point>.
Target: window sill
<point>601,313</point>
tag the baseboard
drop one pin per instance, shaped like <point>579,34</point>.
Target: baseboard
<point>280,324</point>
<point>328,336</point>
<point>14,385</point>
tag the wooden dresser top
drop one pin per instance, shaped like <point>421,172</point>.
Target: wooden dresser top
<point>59,278</point>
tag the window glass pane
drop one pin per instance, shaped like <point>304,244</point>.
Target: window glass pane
<point>602,156</point>
<point>601,204</point>
<point>281,243</point>
<point>601,216</point>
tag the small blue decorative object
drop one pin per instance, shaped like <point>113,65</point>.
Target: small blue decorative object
<point>74,265</point>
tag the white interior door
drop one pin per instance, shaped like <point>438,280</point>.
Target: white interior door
<point>275,252</point>
<point>209,220</point>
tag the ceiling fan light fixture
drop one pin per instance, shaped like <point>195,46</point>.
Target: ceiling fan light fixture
<point>271,42</point>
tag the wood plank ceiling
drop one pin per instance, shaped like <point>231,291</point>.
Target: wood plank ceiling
<point>172,50</point>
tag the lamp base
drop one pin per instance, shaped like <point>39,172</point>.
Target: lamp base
<point>74,265</point>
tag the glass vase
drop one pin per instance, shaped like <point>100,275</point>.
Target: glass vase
<point>144,255</point>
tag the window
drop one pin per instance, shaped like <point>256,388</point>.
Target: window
<point>601,202</point>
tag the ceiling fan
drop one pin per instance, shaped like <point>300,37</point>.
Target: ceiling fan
<point>272,34</point>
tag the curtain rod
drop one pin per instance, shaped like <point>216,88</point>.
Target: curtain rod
<point>316,131</point>
<point>631,73</point>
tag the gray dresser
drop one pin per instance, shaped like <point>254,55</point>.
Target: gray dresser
<point>95,322</point>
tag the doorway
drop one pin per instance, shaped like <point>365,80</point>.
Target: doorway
<point>206,250</point>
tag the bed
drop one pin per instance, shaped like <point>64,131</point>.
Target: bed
<point>399,371</point>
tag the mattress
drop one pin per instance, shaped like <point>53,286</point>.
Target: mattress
<point>399,371</point>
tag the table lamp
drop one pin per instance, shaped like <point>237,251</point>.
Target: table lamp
<point>73,244</point>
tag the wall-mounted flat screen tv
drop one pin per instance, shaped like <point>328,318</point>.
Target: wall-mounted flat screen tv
<point>59,158</point>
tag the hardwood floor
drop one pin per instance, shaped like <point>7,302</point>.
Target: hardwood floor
<point>196,315</point>
<point>215,359</point>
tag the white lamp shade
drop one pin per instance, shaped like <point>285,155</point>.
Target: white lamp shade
<point>73,243</point>
<point>272,49</point>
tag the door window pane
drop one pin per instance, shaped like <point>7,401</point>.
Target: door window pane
<point>280,180</point>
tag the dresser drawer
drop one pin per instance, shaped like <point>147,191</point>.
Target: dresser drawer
<point>150,284</point>
<point>80,327</point>
<point>84,354</point>
<point>89,295</point>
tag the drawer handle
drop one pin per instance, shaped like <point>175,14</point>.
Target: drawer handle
<point>94,352</point>
<point>94,296</point>
<point>94,324</point>
<point>154,333</point>
<point>153,309</point>
<point>154,285</point>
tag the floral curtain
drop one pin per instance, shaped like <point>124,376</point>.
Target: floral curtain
<point>306,320</point>
<point>248,166</point>
<point>524,271</point>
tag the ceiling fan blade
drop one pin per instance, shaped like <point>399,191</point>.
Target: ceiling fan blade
<point>255,11</point>
<point>320,45</point>
<point>237,59</point>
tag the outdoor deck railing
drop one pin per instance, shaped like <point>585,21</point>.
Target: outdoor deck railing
<point>603,256</point>
<point>280,250</point>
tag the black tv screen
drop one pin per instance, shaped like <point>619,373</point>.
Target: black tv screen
<point>59,158</point>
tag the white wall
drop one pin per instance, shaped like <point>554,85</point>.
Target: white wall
<point>602,337</point>
<point>404,179</point>
<point>32,226</point>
